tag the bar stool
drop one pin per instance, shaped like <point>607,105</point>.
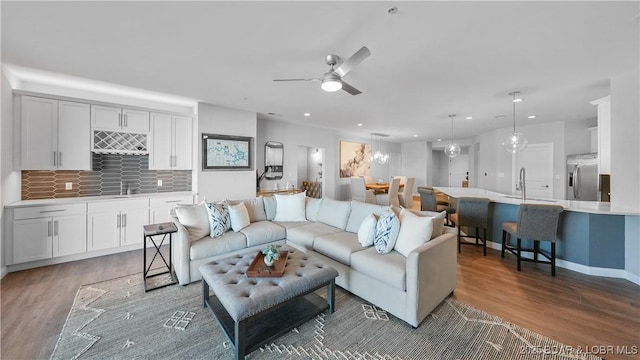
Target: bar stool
<point>472,212</point>
<point>428,202</point>
<point>536,223</point>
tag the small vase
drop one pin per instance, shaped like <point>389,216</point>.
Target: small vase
<point>269,261</point>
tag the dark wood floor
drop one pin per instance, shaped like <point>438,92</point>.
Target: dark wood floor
<point>573,308</point>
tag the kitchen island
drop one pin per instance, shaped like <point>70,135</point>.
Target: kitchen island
<point>593,237</point>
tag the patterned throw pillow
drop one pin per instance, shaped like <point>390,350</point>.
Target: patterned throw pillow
<point>387,230</point>
<point>219,219</point>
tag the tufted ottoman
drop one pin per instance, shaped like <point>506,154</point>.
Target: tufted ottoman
<point>254,311</point>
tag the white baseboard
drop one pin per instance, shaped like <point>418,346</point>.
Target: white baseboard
<point>584,269</point>
<point>3,271</point>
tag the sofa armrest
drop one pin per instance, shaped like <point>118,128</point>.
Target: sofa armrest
<point>431,276</point>
<point>180,253</point>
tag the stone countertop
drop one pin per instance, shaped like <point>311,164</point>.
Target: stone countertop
<point>592,207</point>
<point>75,200</point>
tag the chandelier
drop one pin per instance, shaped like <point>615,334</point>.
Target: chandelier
<point>379,155</point>
<point>515,142</point>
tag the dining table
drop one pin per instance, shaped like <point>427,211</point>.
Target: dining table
<point>380,187</point>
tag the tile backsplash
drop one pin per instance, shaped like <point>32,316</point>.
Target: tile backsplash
<point>109,170</point>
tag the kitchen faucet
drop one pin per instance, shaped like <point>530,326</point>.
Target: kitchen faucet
<point>522,184</point>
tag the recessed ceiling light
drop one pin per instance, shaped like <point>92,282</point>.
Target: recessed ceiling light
<point>517,100</point>
<point>439,140</point>
<point>531,116</point>
<point>469,117</point>
<point>415,135</point>
<point>360,124</point>
<point>307,114</point>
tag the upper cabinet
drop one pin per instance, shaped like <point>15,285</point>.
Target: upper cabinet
<point>171,145</point>
<point>55,135</point>
<point>118,119</point>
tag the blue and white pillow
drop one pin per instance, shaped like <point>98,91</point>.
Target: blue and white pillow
<point>219,219</point>
<point>387,229</point>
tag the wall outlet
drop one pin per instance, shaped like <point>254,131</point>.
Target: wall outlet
<point>159,182</point>
<point>68,186</point>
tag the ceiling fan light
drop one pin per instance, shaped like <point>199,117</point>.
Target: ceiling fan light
<point>331,85</point>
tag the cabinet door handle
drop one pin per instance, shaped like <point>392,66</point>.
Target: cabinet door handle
<point>55,228</point>
<point>172,201</point>
<point>49,228</point>
<point>55,159</point>
<point>118,225</point>
<point>119,120</point>
<point>50,211</point>
<point>59,158</point>
<point>126,120</point>
<point>124,220</point>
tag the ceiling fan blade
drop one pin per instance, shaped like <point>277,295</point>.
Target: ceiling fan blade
<point>353,61</point>
<point>350,89</point>
<point>314,79</point>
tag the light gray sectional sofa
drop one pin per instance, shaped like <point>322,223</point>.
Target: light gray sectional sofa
<point>407,287</point>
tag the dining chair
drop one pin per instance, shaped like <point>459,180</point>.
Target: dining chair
<point>472,212</point>
<point>406,195</point>
<point>536,222</point>
<point>391,197</point>
<point>359,191</point>
<point>368,179</point>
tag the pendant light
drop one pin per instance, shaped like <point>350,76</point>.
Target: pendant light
<point>452,150</point>
<point>515,142</point>
<point>379,155</point>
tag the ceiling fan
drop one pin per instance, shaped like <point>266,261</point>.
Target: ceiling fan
<point>332,79</point>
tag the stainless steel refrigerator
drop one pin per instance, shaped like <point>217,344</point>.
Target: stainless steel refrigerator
<point>582,172</point>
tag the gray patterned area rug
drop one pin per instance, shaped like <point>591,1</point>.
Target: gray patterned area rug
<point>116,319</point>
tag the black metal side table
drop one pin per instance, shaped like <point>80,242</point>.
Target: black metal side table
<point>150,231</point>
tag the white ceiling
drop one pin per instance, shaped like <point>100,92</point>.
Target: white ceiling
<point>428,60</point>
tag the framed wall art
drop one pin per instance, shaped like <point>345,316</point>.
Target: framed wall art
<point>226,152</point>
<point>355,159</point>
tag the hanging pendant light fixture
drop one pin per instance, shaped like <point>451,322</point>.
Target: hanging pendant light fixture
<point>379,155</point>
<point>515,142</point>
<point>452,150</point>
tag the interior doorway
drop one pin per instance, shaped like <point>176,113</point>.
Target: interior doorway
<point>537,159</point>
<point>310,170</point>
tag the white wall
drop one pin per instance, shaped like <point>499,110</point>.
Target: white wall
<point>220,185</point>
<point>414,162</point>
<point>9,179</point>
<point>625,148</point>
<point>577,136</point>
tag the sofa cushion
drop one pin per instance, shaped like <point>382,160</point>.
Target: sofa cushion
<point>255,208</point>
<point>290,207</point>
<point>438,220</point>
<point>305,234</point>
<point>389,269</point>
<point>269,207</point>
<point>239,217</point>
<point>334,213</point>
<point>219,218</point>
<point>414,231</point>
<point>387,230</point>
<point>195,219</point>
<point>291,224</point>
<point>367,231</point>
<point>338,246</point>
<point>312,207</point>
<point>262,232</point>
<point>226,243</point>
<point>359,211</point>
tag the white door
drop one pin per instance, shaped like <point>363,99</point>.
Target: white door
<point>39,133</point>
<point>183,142</point>
<point>135,120</point>
<point>160,149</point>
<point>132,231</point>
<point>32,239</point>
<point>69,235</point>
<point>74,136</point>
<point>103,231</point>
<point>537,159</point>
<point>106,117</point>
<point>459,169</point>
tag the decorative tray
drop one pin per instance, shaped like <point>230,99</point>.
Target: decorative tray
<point>259,269</point>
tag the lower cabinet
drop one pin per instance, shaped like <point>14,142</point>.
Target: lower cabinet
<point>160,208</point>
<point>43,232</point>
<point>116,223</point>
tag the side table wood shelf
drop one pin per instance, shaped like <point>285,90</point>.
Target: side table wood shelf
<point>150,231</point>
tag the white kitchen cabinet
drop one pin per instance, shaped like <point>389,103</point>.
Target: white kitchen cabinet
<point>171,145</point>
<point>112,224</point>
<point>43,232</point>
<point>55,135</point>
<point>159,208</point>
<point>119,119</point>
